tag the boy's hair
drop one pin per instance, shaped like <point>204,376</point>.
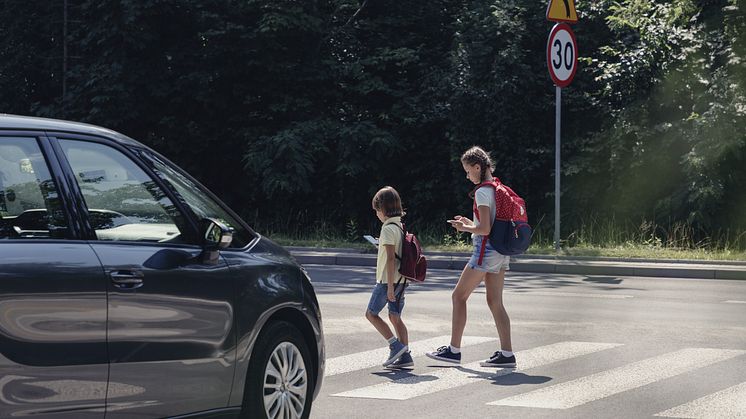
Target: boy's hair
<point>387,200</point>
<point>476,155</point>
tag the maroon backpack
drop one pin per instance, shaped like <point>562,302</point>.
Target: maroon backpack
<point>413,263</point>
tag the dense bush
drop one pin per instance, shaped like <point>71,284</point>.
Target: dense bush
<point>296,112</point>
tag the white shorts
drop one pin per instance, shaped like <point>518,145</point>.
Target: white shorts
<point>492,261</point>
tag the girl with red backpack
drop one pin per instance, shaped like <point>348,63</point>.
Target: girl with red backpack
<point>486,264</point>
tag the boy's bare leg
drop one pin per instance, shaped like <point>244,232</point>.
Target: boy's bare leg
<point>401,330</point>
<point>469,280</point>
<point>379,324</point>
<point>494,284</point>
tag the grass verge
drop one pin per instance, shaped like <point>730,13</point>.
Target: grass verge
<point>628,250</point>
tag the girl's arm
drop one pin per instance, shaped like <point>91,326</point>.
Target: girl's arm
<point>484,227</point>
<point>390,270</point>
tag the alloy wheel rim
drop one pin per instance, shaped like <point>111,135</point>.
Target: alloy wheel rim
<point>285,383</point>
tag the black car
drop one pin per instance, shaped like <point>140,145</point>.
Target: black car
<point>127,289</point>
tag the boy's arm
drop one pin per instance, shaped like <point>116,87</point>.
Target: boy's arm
<point>390,269</point>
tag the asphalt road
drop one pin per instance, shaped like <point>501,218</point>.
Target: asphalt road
<point>587,346</point>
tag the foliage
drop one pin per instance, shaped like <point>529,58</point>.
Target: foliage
<point>296,112</point>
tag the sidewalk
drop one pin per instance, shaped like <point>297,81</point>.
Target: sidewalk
<point>544,264</point>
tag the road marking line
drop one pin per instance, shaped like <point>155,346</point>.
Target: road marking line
<point>728,403</point>
<point>459,375</point>
<point>571,294</point>
<point>735,302</point>
<point>607,383</point>
<point>375,357</point>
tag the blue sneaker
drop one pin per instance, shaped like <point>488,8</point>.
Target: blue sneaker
<point>444,354</point>
<point>499,360</point>
<point>404,362</point>
<point>396,350</point>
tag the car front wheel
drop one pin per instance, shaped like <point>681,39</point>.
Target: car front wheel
<point>279,384</point>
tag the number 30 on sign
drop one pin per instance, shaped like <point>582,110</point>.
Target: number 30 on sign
<point>562,54</point>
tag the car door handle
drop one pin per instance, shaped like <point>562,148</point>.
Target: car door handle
<point>127,279</point>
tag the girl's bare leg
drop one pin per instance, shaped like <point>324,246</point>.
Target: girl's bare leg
<point>469,280</point>
<point>494,284</point>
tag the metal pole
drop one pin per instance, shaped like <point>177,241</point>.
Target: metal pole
<point>558,113</point>
<point>64,55</point>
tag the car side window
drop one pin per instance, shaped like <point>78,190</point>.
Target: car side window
<point>30,205</point>
<point>199,202</point>
<point>124,203</point>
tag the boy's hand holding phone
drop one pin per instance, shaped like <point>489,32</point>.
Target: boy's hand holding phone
<point>372,240</point>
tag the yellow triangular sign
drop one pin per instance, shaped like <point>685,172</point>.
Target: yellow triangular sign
<point>562,11</point>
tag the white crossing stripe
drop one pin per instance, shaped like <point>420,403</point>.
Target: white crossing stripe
<point>729,403</point>
<point>735,302</point>
<point>459,375</point>
<point>571,294</point>
<point>607,383</point>
<point>367,359</point>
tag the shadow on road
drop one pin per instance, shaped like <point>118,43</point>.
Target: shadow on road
<point>350,279</point>
<point>507,377</point>
<point>396,375</point>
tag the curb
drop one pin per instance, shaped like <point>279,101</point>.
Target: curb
<point>543,264</point>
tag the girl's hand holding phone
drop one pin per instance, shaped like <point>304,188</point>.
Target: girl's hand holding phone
<point>464,220</point>
<point>457,224</point>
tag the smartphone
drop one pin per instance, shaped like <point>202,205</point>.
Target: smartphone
<point>372,240</point>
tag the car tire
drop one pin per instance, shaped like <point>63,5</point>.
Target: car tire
<point>279,372</point>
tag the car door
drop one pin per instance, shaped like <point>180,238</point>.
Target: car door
<point>170,325</point>
<point>53,360</point>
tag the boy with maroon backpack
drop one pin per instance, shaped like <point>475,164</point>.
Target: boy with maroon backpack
<point>399,260</point>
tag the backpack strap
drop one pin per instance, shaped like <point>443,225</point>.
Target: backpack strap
<point>481,250</point>
<point>403,237</point>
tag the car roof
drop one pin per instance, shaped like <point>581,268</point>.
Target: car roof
<point>31,123</point>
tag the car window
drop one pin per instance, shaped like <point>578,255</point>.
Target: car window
<point>199,202</point>
<point>30,205</point>
<point>124,203</point>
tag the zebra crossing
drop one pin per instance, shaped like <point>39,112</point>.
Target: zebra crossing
<point>607,383</point>
<point>600,385</point>
<point>586,348</point>
<point>728,403</point>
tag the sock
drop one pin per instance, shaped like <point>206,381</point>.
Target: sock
<point>392,340</point>
<point>455,350</point>
<point>505,353</point>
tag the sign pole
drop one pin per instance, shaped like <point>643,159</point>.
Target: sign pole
<point>562,60</point>
<point>557,117</point>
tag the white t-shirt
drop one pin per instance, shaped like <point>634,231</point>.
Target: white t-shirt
<point>485,196</point>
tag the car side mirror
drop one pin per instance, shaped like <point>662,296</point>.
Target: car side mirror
<point>217,236</point>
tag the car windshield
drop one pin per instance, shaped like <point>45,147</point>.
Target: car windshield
<point>198,200</point>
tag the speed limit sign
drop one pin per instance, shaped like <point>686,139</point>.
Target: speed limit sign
<point>562,54</point>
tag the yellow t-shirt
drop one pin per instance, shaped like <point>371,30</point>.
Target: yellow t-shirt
<point>391,233</point>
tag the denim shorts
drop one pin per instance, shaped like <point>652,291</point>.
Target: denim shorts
<point>379,299</point>
<point>492,261</point>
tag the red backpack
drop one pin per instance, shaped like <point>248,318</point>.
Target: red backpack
<point>413,263</point>
<point>510,234</point>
